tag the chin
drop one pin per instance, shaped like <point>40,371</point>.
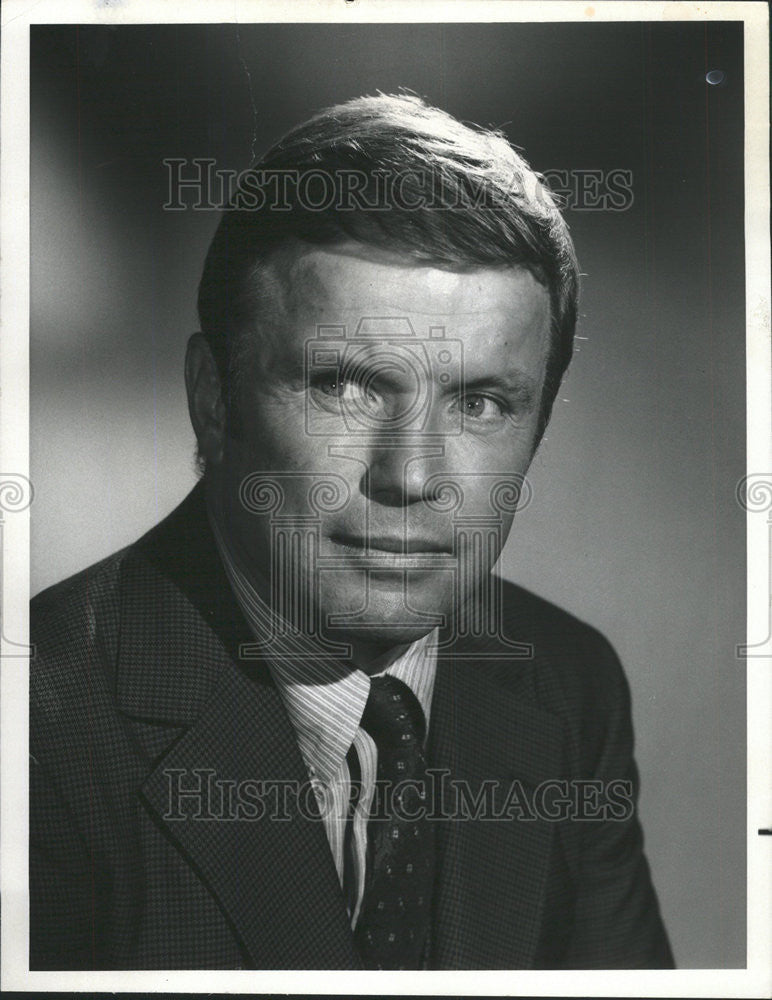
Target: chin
<point>372,649</point>
<point>384,613</point>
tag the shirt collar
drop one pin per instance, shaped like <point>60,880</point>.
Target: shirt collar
<point>324,700</point>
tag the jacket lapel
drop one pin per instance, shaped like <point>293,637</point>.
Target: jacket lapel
<point>490,891</point>
<point>214,724</point>
<point>268,864</point>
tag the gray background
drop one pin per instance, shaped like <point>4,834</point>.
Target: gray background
<point>633,525</point>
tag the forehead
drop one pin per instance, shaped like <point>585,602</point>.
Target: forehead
<point>487,308</point>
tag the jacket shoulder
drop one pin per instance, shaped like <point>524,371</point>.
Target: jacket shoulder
<point>83,599</point>
<point>59,597</point>
<point>89,601</point>
<point>74,633</point>
<point>554,631</point>
<point>84,628</point>
<point>574,666</point>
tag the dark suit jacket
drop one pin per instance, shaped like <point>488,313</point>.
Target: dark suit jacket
<point>137,676</point>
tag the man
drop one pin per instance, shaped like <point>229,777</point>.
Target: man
<point>300,724</point>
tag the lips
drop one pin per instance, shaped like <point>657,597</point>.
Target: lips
<point>391,543</point>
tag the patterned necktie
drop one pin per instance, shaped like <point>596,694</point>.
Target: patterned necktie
<point>393,924</point>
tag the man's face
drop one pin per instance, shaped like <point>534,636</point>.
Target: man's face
<point>414,394</point>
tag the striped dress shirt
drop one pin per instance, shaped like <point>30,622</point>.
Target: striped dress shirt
<point>325,702</point>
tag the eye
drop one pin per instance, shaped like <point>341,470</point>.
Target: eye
<point>335,386</point>
<point>478,407</point>
<point>332,386</point>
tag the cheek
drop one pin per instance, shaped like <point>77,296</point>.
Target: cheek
<point>504,454</point>
<point>276,437</point>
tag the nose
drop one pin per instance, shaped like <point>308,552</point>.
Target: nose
<point>399,468</point>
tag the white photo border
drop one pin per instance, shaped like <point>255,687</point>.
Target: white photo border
<point>17,16</point>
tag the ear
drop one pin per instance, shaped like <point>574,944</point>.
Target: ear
<point>205,402</point>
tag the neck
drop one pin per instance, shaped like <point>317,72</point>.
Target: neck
<point>372,658</point>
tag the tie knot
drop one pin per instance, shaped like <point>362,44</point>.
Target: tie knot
<point>393,715</point>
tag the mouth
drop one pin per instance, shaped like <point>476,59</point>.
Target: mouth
<point>391,544</point>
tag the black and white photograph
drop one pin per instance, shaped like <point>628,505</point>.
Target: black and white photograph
<point>386,497</point>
